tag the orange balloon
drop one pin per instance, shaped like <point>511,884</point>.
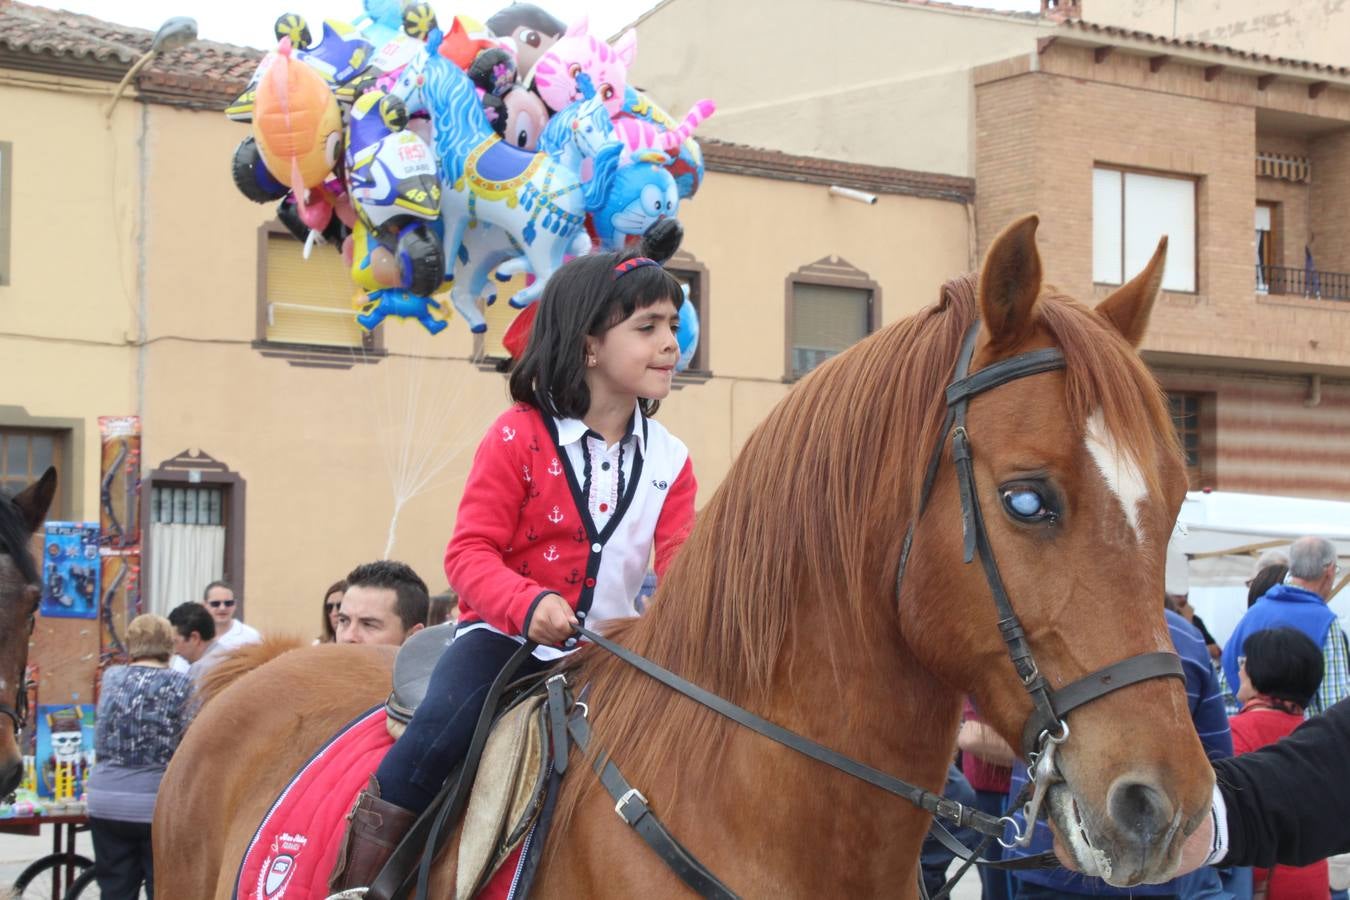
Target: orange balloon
<point>296,121</point>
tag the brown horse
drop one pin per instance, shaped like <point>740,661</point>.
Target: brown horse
<point>784,601</point>
<point>20,517</point>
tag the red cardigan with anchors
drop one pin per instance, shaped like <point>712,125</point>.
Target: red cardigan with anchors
<point>524,530</point>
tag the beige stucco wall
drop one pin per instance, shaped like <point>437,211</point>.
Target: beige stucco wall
<point>859,80</point>
<point>70,307</point>
<point>1296,29</point>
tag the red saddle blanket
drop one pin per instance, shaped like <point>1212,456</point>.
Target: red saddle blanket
<point>293,850</point>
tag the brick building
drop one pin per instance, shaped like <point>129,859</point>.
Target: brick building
<point>1115,137</point>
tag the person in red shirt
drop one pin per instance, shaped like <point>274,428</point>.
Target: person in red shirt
<point>571,493</point>
<point>1279,672</point>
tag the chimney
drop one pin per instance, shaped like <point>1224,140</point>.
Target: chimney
<point>1059,10</point>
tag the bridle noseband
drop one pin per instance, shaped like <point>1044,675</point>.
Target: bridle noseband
<point>1045,727</point>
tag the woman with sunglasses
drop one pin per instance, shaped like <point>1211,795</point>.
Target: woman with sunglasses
<point>332,602</point>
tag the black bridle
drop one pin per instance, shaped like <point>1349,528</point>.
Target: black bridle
<point>1046,726</point>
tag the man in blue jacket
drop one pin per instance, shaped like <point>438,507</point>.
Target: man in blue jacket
<point>1301,603</point>
<point>1211,724</point>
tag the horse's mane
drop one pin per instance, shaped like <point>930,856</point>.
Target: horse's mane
<point>14,535</point>
<point>462,125</point>
<point>812,513</point>
<point>239,662</point>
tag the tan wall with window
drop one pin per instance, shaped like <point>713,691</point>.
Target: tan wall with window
<point>70,304</point>
<point>315,435</point>
<point>315,445</point>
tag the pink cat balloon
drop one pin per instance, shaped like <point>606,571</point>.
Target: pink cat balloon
<point>577,51</point>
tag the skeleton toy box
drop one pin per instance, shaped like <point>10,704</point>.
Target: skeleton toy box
<point>65,751</point>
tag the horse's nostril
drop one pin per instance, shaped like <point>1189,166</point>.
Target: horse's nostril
<point>1140,809</point>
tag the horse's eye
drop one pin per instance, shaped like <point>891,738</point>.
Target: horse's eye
<point>1027,505</point>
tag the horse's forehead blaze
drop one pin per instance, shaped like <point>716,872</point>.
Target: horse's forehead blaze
<point>1120,472</point>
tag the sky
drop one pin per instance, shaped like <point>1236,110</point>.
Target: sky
<point>249,22</point>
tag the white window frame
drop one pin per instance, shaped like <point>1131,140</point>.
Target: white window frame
<point>1131,210</point>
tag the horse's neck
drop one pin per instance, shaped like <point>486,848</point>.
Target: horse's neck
<point>763,816</point>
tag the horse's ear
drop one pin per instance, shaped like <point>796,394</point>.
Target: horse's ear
<point>1129,306</point>
<point>1010,282</point>
<point>34,500</point>
<point>626,47</point>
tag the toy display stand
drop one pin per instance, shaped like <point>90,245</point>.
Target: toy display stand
<point>63,866</point>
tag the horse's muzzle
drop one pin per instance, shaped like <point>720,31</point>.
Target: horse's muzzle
<point>1135,841</point>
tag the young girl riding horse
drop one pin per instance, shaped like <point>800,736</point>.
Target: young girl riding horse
<point>569,491</point>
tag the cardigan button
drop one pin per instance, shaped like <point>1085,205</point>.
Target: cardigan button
<point>596,548</point>
<point>590,582</point>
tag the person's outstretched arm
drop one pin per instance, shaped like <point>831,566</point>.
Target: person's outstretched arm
<point>1289,802</point>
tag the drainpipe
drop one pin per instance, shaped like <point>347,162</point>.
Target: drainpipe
<point>142,282</point>
<point>1314,395</point>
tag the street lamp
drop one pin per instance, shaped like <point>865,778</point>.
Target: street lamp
<point>176,32</point>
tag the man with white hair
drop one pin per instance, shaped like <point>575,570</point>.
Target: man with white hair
<point>1301,602</point>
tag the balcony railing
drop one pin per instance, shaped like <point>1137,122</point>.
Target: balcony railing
<point>1303,282</point>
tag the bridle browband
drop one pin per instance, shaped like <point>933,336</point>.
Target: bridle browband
<point>1049,707</point>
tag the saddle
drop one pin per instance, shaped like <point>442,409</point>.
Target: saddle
<point>412,673</point>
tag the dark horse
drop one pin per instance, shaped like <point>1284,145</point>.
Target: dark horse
<point>20,516</point>
<point>784,601</point>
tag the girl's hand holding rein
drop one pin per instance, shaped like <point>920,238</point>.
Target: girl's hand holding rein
<point>553,621</point>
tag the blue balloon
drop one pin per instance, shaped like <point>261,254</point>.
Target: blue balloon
<point>687,334</point>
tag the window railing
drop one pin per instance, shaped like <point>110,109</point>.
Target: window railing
<point>1303,282</point>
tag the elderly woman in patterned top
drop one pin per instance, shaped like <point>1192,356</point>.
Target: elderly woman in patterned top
<point>142,712</point>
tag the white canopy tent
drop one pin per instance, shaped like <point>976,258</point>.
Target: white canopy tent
<point>1219,536</point>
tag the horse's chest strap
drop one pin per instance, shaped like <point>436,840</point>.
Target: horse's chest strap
<point>632,807</point>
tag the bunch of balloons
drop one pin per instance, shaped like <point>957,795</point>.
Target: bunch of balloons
<point>461,156</point>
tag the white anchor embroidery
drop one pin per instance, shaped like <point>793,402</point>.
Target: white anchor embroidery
<point>554,468</point>
<point>527,473</point>
<point>508,434</point>
<point>556,516</point>
<point>551,553</point>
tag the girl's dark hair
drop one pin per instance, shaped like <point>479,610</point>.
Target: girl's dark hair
<point>1283,663</point>
<point>1264,580</point>
<point>583,298</point>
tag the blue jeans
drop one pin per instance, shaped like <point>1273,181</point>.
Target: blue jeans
<point>415,768</point>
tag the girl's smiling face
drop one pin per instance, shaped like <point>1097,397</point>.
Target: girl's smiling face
<point>636,358</point>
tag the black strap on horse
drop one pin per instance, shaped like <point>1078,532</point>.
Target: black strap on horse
<point>631,806</point>
<point>940,807</point>
<point>1048,707</point>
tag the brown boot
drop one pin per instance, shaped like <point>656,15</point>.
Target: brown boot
<point>374,829</point>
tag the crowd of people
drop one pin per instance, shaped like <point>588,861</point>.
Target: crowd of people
<point>145,705</point>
